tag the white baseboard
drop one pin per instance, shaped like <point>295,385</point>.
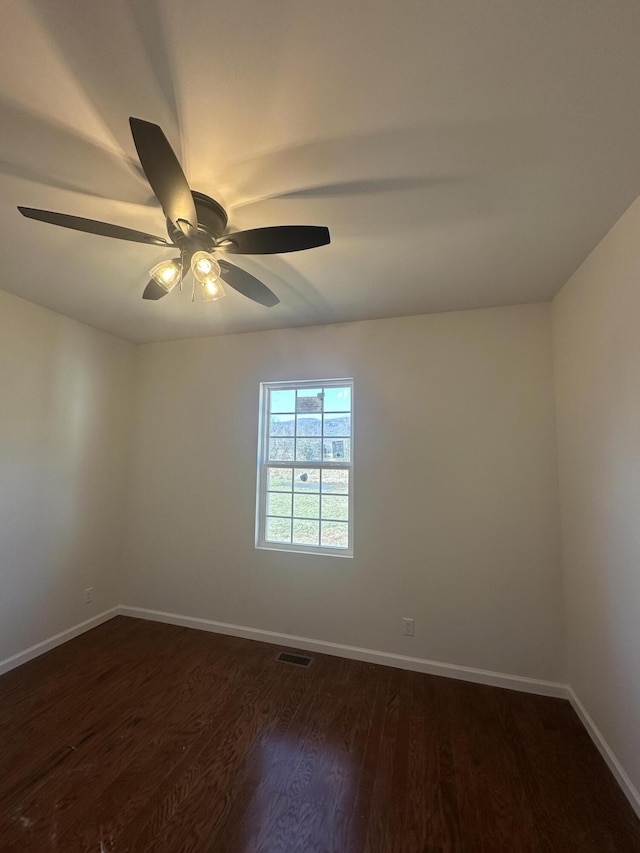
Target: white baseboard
<point>464,673</point>
<point>57,640</point>
<point>606,752</point>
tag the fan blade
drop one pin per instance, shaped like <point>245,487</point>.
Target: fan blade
<point>247,285</point>
<point>276,240</point>
<point>92,226</point>
<point>164,173</point>
<point>154,291</point>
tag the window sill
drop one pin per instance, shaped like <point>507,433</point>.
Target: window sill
<point>310,550</point>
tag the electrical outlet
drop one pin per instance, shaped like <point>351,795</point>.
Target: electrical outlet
<point>88,595</point>
<point>409,627</point>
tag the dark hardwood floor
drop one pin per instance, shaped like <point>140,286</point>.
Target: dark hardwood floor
<point>141,737</point>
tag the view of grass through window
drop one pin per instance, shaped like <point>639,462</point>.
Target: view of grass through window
<point>307,466</point>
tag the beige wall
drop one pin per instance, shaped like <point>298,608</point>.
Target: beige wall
<point>65,393</point>
<point>456,519</point>
<point>596,326</point>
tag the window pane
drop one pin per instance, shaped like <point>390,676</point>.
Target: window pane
<point>309,425</point>
<point>335,507</point>
<point>337,450</point>
<point>306,506</point>
<point>279,503</point>
<point>278,530</point>
<point>282,425</point>
<point>335,481</point>
<point>309,400</point>
<point>337,400</point>
<point>281,449</point>
<point>279,479</point>
<point>306,480</point>
<point>334,534</point>
<point>337,425</point>
<point>305,532</point>
<point>308,450</point>
<point>282,401</point>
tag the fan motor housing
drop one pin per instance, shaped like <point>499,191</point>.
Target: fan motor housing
<point>212,221</point>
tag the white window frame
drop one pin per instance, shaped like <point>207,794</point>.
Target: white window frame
<point>264,465</point>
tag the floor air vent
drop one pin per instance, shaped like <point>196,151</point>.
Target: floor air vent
<point>298,660</point>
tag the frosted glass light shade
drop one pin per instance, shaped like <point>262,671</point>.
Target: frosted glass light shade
<point>167,273</point>
<point>212,290</point>
<point>204,267</point>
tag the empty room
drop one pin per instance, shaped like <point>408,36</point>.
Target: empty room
<point>320,426</point>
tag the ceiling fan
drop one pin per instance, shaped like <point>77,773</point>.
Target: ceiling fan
<point>196,226</point>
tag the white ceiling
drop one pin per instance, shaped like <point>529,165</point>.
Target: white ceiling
<point>463,154</point>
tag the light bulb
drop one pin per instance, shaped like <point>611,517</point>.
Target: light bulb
<point>167,273</point>
<point>212,289</point>
<point>205,267</point>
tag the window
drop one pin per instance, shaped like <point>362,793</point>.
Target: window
<point>305,467</point>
